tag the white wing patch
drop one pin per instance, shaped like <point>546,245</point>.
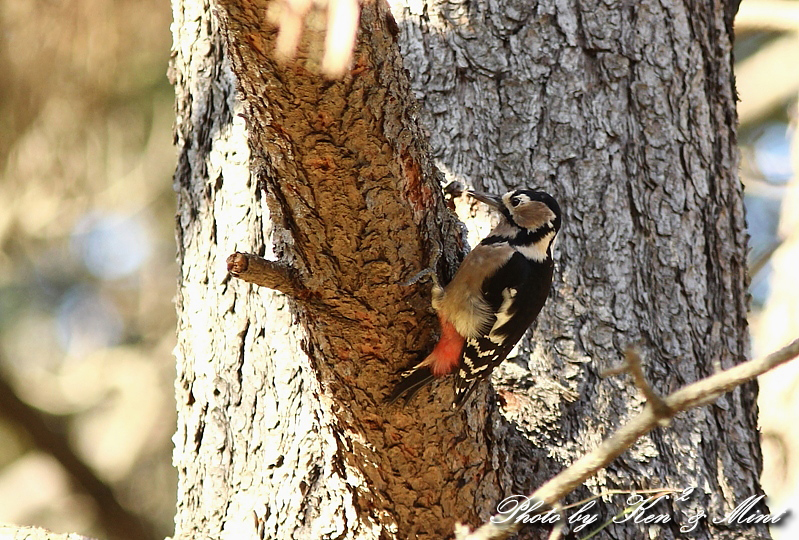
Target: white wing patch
<point>503,315</point>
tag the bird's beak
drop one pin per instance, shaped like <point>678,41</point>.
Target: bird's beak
<point>490,200</point>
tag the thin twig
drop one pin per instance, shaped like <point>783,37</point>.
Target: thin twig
<point>609,492</point>
<point>624,512</point>
<point>764,256</point>
<point>694,395</point>
<point>632,366</point>
<point>271,274</point>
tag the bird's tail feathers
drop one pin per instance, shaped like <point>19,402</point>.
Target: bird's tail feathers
<point>412,381</point>
<point>464,389</point>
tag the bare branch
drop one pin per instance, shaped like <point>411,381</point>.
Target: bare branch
<point>694,395</point>
<point>633,367</point>
<point>762,258</point>
<point>271,274</point>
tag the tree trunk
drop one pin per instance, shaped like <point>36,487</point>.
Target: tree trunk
<point>625,114</point>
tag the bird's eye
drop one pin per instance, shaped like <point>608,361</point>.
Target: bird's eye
<point>515,201</point>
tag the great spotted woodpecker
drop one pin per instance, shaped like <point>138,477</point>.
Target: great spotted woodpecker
<point>495,296</point>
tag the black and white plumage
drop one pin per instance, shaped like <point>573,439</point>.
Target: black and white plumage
<point>495,296</point>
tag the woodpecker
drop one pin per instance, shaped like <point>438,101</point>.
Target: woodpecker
<point>495,296</point>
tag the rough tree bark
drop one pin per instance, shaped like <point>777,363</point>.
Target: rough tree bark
<point>625,113</point>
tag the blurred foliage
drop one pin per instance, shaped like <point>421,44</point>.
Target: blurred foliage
<point>767,42</point>
<point>87,268</point>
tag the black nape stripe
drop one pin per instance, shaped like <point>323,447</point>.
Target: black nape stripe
<point>524,237</point>
<point>488,240</point>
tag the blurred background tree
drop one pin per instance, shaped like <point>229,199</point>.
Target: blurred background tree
<point>87,271</point>
<point>87,250</point>
<point>767,45</point>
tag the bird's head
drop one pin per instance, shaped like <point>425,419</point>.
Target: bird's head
<point>525,208</point>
